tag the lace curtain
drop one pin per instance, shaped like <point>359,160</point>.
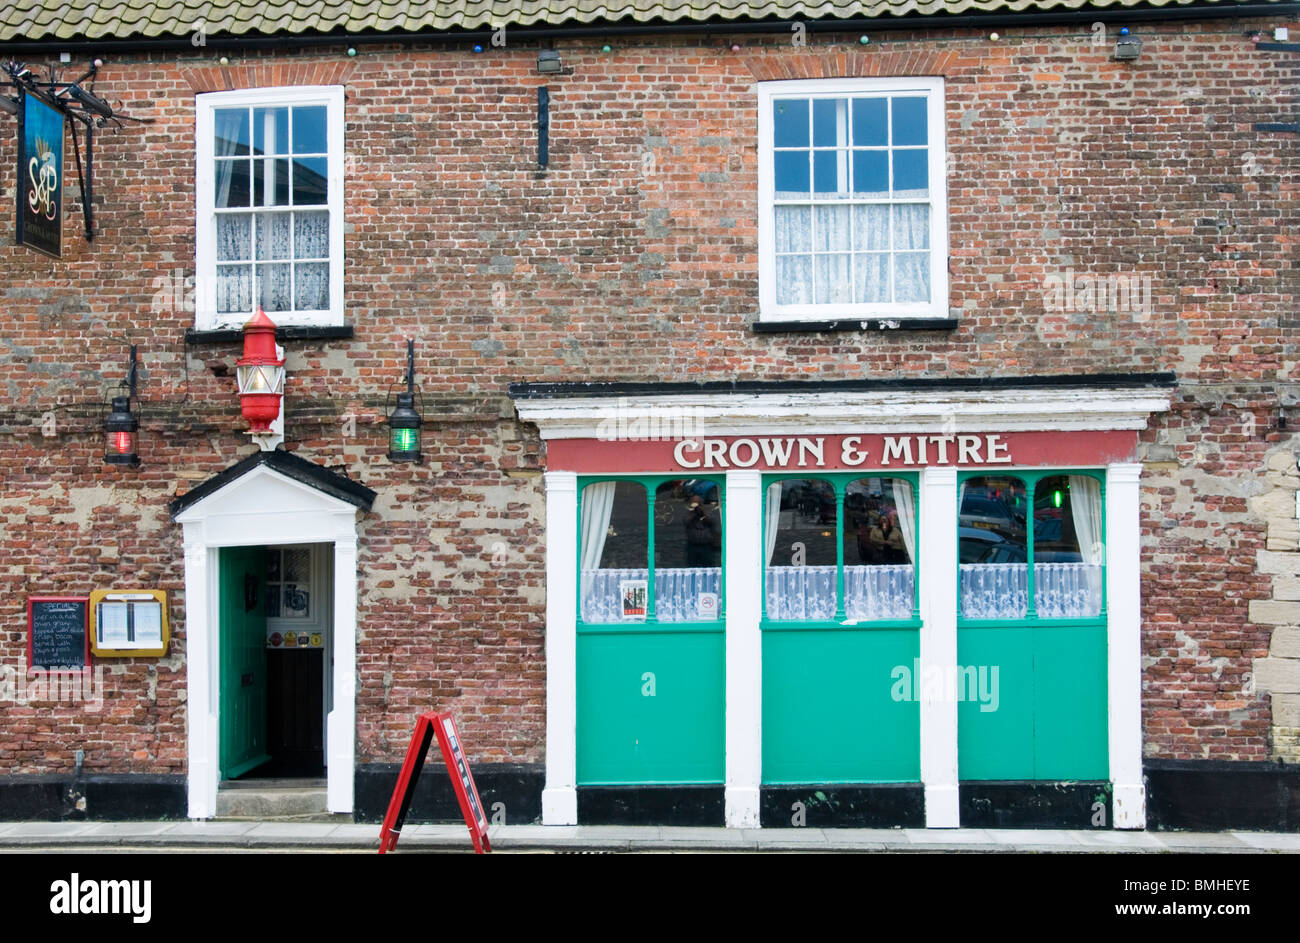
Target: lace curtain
<point>874,253</point>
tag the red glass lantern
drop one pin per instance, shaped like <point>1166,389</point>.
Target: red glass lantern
<point>121,428</point>
<point>260,373</point>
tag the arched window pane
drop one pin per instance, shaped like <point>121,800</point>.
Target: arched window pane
<point>614,552</point>
<point>993,556</point>
<point>800,530</point>
<point>688,550</point>
<point>1068,549</point>
<point>879,548</point>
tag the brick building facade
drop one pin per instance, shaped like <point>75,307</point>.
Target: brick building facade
<point>1120,261</point>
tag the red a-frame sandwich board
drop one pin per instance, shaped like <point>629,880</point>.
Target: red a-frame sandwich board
<point>443,727</point>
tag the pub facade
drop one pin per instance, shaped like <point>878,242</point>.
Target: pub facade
<point>761,421</point>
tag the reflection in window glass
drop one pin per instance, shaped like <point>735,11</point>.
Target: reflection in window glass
<point>1068,550</point>
<point>800,532</point>
<point>615,545</point>
<point>688,550</point>
<point>992,554</point>
<point>879,548</point>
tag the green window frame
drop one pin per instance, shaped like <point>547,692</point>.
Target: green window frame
<point>651,484</point>
<point>1032,479</point>
<point>839,481</point>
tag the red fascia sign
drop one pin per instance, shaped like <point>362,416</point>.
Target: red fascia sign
<point>442,726</point>
<point>873,452</point>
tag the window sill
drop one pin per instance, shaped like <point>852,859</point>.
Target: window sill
<point>774,625</point>
<point>855,324</point>
<point>1096,622</point>
<point>641,628</point>
<point>288,333</point>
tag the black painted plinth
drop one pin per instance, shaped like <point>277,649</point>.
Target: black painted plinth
<point>651,805</point>
<point>1072,805</point>
<point>1216,795</point>
<point>516,787</point>
<point>107,797</point>
<point>870,805</point>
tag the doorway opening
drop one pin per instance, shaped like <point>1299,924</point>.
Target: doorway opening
<point>276,671</point>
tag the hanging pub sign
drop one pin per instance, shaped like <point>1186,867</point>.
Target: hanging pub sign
<point>40,176</point>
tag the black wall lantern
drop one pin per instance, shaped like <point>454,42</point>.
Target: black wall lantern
<point>404,422</point>
<point>121,428</point>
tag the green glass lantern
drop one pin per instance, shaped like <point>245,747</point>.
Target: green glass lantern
<point>404,422</point>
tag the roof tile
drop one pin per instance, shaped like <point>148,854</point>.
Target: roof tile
<point>35,20</point>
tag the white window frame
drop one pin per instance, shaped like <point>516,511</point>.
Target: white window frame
<point>937,307</point>
<point>205,263</point>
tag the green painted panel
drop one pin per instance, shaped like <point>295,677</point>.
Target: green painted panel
<point>1070,733</point>
<point>651,708</point>
<point>997,742</point>
<point>835,711</point>
<point>1050,719</point>
<point>242,633</point>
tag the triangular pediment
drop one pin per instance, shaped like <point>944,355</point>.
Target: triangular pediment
<point>277,482</point>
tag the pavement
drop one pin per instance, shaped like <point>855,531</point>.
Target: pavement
<point>273,836</point>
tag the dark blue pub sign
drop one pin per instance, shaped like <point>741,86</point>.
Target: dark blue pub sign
<point>40,176</point>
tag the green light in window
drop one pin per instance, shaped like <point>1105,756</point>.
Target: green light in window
<point>1056,497</point>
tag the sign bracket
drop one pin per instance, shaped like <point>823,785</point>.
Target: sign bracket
<point>74,102</point>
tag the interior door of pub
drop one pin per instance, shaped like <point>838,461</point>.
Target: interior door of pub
<point>243,660</point>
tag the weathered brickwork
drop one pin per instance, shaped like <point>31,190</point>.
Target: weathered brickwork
<point>634,256</point>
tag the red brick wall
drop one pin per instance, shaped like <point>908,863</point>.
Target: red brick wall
<point>635,256</point>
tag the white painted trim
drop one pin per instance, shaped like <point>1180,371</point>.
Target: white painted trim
<point>200,718</point>
<point>940,411</point>
<point>744,647</point>
<point>929,86</point>
<point>1124,642</point>
<point>560,794</point>
<point>938,594</point>
<point>205,291</point>
<point>341,722</point>
<point>264,506</point>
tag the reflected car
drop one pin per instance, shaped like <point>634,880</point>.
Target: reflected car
<point>974,542</point>
<point>992,515</point>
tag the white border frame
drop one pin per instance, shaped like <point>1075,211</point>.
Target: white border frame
<point>265,502</point>
<point>932,87</point>
<point>206,317</point>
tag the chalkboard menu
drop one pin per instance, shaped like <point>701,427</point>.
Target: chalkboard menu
<point>56,632</point>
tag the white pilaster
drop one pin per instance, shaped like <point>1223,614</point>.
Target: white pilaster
<point>201,713</point>
<point>560,794</point>
<point>744,647</point>
<point>938,593</point>
<point>341,723</point>
<point>1124,643</point>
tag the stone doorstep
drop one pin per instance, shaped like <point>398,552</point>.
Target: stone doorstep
<point>274,803</point>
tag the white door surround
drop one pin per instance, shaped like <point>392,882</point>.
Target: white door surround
<point>266,506</point>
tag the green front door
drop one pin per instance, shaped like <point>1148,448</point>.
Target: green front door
<point>242,631</point>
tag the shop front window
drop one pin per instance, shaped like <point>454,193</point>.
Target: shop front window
<point>833,538</point>
<point>625,524</point>
<point>1036,535</point>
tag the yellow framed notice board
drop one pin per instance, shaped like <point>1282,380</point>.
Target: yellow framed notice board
<point>129,623</point>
